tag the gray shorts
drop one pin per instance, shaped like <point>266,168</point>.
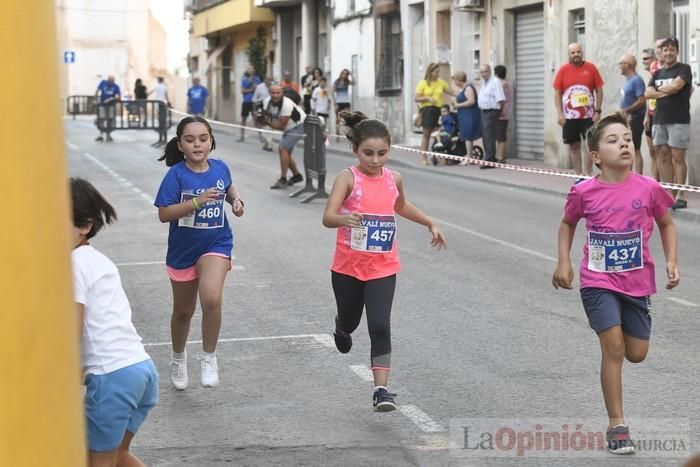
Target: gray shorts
<point>676,135</point>
<point>291,138</point>
<point>606,308</point>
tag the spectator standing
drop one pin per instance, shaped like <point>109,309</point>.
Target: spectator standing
<point>140,95</point>
<point>468,113</point>
<point>341,92</point>
<point>305,82</point>
<point>249,82</point>
<point>577,107</point>
<point>652,60</point>
<point>632,105</point>
<point>160,93</point>
<point>320,100</point>
<point>262,92</point>
<point>109,93</point>
<point>430,97</point>
<point>671,88</point>
<point>491,100</point>
<point>197,99</point>
<point>288,82</point>
<point>281,113</point>
<point>505,115</point>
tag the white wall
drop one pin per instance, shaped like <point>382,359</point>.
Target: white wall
<point>355,37</point>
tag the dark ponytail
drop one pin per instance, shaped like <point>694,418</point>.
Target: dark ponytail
<point>90,207</point>
<point>172,154</point>
<point>360,128</point>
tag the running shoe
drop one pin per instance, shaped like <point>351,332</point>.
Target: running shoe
<point>296,178</point>
<point>384,400</point>
<point>99,138</point>
<point>680,204</point>
<point>109,139</point>
<point>210,372</point>
<point>178,373</point>
<point>279,184</point>
<point>619,442</point>
<point>267,147</point>
<point>343,341</point>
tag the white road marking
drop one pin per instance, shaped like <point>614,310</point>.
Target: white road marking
<point>421,419</point>
<point>496,240</point>
<point>119,178</point>
<point>241,339</point>
<point>71,146</point>
<point>325,339</point>
<point>363,372</point>
<point>682,302</point>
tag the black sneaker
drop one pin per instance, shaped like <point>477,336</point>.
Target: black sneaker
<point>267,147</point>
<point>99,138</point>
<point>619,442</point>
<point>343,341</point>
<point>109,139</point>
<point>296,178</point>
<point>384,400</point>
<point>279,184</point>
<point>680,204</point>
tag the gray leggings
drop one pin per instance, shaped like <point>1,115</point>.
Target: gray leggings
<point>352,296</point>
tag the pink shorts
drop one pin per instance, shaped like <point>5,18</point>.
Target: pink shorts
<point>190,274</point>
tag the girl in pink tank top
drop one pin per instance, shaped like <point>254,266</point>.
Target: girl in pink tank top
<point>363,205</point>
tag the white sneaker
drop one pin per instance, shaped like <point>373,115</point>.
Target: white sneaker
<point>210,372</point>
<point>178,373</point>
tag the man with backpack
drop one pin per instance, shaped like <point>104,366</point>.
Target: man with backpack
<point>281,113</point>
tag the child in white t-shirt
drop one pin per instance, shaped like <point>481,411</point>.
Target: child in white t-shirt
<point>121,380</point>
<point>320,100</point>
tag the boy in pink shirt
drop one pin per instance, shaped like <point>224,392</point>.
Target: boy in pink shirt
<point>617,271</point>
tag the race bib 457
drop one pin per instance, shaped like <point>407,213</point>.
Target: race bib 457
<point>376,235</point>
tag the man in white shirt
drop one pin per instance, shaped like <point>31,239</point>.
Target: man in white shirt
<point>262,92</point>
<point>160,93</point>
<point>491,99</point>
<point>281,113</point>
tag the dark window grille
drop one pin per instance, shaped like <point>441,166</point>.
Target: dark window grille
<point>389,54</point>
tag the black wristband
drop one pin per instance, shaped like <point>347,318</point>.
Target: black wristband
<point>238,199</point>
<point>597,111</point>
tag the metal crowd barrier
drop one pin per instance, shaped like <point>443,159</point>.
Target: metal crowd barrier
<point>314,160</point>
<point>133,115</point>
<point>81,105</point>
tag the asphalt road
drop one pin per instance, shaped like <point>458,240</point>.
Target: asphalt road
<point>480,337</point>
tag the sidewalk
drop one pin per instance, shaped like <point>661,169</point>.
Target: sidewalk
<point>543,183</point>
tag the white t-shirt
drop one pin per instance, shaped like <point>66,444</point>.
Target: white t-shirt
<point>109,341</point>
<point>160,92</point>
<point>320,101</point>
<point>287,109</point>
<point>261,92</point>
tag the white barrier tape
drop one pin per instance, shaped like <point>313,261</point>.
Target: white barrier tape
<point>233,125</point>
<point>517,168</point>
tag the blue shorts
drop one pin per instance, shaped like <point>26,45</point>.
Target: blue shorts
<point>291,137</point>
<point>606,308</point>
<point>118,402</point>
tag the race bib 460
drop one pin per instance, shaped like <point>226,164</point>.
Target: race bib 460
<point>615,252</point>
<point>209,216</point>
<point>376,235</point>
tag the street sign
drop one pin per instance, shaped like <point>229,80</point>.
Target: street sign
<point>69,56</point>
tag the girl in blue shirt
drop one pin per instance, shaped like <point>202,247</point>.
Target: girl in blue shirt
<point>191,198</point>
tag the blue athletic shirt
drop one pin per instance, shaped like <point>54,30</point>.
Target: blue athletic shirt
<point>207,230</point>
<point>108,90</point>
<point>198,98</point>
<point>247,82</point>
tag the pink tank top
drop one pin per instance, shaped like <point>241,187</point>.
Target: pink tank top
<point>369,252</point>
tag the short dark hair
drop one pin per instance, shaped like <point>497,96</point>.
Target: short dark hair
<point>445,106</point>
<point>596,131</point>
<point>670,41</point>
<point>500,71</point>
<point>90,207</point>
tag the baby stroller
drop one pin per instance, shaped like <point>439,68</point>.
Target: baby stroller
<point>452,145</point>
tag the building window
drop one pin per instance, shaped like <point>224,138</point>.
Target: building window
<point>679,28</point>
<point>388,53</point>
<point>473,43</point>
<point>577,27</point>
<point>226,62</point>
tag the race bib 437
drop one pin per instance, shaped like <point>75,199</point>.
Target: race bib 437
<point>615,252</point>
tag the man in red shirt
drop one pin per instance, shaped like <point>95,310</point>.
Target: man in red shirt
<point>578,96</point>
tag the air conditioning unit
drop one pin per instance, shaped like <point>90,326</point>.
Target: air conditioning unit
<point>467,5</point>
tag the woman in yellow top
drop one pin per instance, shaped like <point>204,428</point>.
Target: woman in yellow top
<point>430,95</point>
